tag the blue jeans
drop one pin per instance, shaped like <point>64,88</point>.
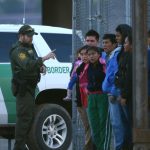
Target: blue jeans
<point>117,123</point>
<point>72,81</point>
<point>121,124</point>
<point>127,125</point>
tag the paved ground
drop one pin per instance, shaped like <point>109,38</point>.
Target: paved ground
<point>4,144</point>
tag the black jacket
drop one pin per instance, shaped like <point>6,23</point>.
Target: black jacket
<point>96,76</point>
<point>123,78</point>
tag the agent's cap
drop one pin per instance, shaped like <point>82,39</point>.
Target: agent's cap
<point>27,30</point>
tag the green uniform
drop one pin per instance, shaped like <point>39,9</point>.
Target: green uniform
<point>26,74</point>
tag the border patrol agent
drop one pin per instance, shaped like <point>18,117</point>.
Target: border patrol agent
<point>26,69</point>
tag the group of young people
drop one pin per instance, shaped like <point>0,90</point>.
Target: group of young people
<point>103,78</point>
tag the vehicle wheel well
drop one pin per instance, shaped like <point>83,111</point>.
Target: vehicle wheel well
<point>7,131</point>
<point>54,96</point>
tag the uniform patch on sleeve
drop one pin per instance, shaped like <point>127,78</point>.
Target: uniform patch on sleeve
<point>22,56</point>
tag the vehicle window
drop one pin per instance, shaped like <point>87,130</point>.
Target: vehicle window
<point>7,39</point>
<point>62,43</point>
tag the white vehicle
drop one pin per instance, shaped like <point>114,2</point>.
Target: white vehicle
<point>51,129</point>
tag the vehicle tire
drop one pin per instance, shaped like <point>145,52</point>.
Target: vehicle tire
<point>51,130</point>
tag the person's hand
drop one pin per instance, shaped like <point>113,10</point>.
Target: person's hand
<point>123,101</point>
<point>119,98</point>
<point>43,70</point>
<point>48,56</point>
<point>111,98</point>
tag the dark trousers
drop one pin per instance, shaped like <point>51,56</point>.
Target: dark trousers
<point>25,106</point>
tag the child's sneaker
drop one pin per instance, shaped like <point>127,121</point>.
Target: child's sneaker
<point>68,97</point>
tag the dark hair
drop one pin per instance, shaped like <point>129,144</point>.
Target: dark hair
<point>148,33</point>
<point>93,48</point>
<point>130,38</point>
<point>82,48</point>
<point>124,30</point>
<point>111,37</point>
<point>92,33</point>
